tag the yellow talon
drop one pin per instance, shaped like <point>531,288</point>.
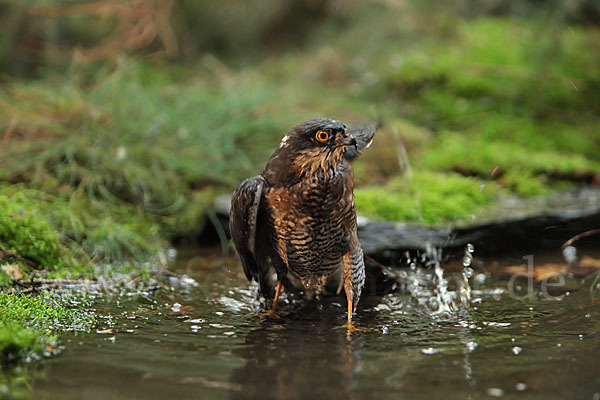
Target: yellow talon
<point>350,327</point>
<point>270,313</point>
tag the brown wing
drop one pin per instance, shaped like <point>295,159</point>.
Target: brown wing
<point>364,137</point>
<point>243,222</point>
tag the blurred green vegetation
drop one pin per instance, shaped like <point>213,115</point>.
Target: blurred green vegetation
<point>121,122</point>
<point>449,196</point>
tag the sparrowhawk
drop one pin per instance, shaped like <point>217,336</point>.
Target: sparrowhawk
<point>294,225</point>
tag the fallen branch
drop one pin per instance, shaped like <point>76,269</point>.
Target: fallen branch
<point>56,285</point>
<point>579,236</point>
<point>64,281</point>
<point>37,289</point>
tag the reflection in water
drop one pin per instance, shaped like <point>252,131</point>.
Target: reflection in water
<point>298,359</point>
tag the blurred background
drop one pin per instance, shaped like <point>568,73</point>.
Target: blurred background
<point>122,121</point>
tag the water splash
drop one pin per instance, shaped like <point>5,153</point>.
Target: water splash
<point>442,296</point>
<point>464,288</point>
<point>425,281</point>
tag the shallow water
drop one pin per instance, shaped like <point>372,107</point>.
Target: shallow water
<point>204,341</point>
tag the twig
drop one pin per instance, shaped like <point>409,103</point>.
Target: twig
<point>579,236</point>
<point>19,283</point>
<point>4,253</point>
<point>36,289</point>
<point>37,285</point>
<point>64,281</point>
<point>385,269</point>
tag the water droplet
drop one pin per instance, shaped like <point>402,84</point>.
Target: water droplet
<point>495,392</point>
<point>229,333</point>
<point>570,254</point>
<point>481,186</point>
<point>496,324</point>
<point>382,307</point>
<point>470,248</point>
<point>430,350</point>
<point>471,346</point>
<point>516,350</point>
<point>559,345</point>
<point>521,386</point>
<point>467,260</point>
<point>171,255</point>
<point>468,272</point>
<point>221,326</point>
<point>195,321</point>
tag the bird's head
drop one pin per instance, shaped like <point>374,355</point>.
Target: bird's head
<point>320,134</point>
<point>317,146</point>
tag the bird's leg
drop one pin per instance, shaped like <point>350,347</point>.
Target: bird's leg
<point>271,312</point>
<point>347,262</point>
<point>348,291</point>
<point>349,325</point>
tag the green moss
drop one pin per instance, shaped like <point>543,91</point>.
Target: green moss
<point>525,184</point>
<point>500,100</point>
<point>29,234</point>
<point>191,219</point>
<point>498,63</point>
<point>65,235</point>
<point>453,151</point>
<point>426,198</point>
<point>16,341</point>
<point>29,324</point>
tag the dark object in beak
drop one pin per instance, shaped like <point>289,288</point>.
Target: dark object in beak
<point>349,140</point>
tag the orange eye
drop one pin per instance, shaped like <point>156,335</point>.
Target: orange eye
<point>322,136</point>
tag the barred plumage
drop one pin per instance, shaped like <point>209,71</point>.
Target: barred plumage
<point>295,224</point>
